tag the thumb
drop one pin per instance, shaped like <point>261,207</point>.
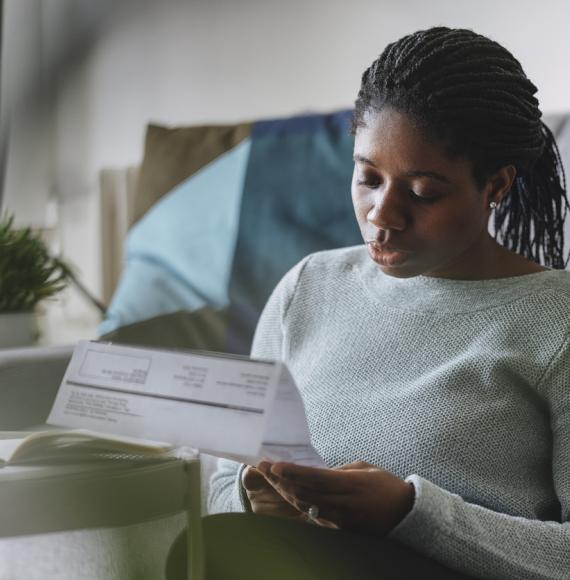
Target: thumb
<point>252,479</point>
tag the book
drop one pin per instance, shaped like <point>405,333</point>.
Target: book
<point>56,446</point>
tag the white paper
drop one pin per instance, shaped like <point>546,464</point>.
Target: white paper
<point>287,437</point>
<point>222,405</point>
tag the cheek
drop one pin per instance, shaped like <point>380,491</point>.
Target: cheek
<point>360,203</point>
<point>455,225</point>
<point>361,210</point>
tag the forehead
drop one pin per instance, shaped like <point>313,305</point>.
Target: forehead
<point>393,141</point>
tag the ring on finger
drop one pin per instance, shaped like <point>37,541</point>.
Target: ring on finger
<point>313,513</point>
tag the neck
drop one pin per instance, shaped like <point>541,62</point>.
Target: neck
<point>488,260</point>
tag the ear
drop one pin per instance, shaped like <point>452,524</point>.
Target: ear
<point>499,184</point>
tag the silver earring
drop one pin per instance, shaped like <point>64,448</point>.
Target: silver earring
<point>493,205</point>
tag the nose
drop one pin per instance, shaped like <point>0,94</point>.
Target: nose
<point>387,212</point>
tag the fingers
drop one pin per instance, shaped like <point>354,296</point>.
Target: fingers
<point>287,491</point>
<point>326,519</point>
<point>333,491</point>
<point>322,480</point>
<point>253,480</point>
<point>272,505</point>
<point>302,497</point>
<point>277,497</point>
<point>356,465</point>
<point>265,499</point>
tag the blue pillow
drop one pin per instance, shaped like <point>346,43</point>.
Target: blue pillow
<point>179,255</point>
<point>216,246</point>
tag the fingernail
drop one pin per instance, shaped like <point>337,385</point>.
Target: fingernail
<point>276,472</point>
<point>264,467</point>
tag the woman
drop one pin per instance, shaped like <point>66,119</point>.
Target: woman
<point>435,356</point>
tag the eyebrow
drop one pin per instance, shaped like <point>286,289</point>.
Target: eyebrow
<point>411,173</point>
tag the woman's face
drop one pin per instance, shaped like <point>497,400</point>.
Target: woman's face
<point>419,211</point>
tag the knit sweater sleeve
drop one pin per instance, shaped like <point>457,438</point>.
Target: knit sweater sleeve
<point>487,544</point>
<point>226,493</point>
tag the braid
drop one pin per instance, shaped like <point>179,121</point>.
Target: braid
<point>530,219</point>
<point>470,93</point>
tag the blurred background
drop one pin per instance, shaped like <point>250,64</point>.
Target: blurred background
<point>81,79</point>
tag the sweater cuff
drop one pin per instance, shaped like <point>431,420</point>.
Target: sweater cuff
<point>429,518</point>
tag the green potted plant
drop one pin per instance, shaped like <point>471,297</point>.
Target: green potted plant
<point>28,275</point>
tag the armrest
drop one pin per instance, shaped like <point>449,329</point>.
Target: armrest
<point>29,379</point>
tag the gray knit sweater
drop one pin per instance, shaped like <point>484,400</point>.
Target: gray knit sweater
<point>461,387</point>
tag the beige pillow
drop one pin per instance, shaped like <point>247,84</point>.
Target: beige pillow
<point>171,155</point>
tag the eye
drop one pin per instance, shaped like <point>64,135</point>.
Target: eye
<point>368,181</point>
<point>423,198</point>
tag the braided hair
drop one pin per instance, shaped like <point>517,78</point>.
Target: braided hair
<point>471,94</point>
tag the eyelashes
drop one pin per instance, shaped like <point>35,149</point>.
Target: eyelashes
<point>369,184</point>
<point>414,195</point>
<point>423,198</point>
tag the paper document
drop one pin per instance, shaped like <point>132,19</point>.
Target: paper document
<point>223,405</point>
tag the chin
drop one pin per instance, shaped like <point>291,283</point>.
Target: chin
<point>396,272</point>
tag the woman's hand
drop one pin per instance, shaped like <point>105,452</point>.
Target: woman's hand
<point>358,496</point>
<point>264,498</point>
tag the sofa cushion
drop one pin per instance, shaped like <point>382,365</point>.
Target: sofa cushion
<point>179,255</point>
<point>171,155</point>
<point>220,241</point>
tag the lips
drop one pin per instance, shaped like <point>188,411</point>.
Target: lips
<point>385,254</point>
<point>384,247</point>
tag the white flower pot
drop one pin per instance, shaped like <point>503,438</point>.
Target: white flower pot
<point>18,329</point>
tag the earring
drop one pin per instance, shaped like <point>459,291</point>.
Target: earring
<point>493,205</point>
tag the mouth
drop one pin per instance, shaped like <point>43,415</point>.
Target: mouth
<point>386,255</point>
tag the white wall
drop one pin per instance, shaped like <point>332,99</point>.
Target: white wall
<point>182,62</point>
<point>227,60</point>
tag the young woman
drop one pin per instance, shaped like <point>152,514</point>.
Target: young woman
<point>434,360</point>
